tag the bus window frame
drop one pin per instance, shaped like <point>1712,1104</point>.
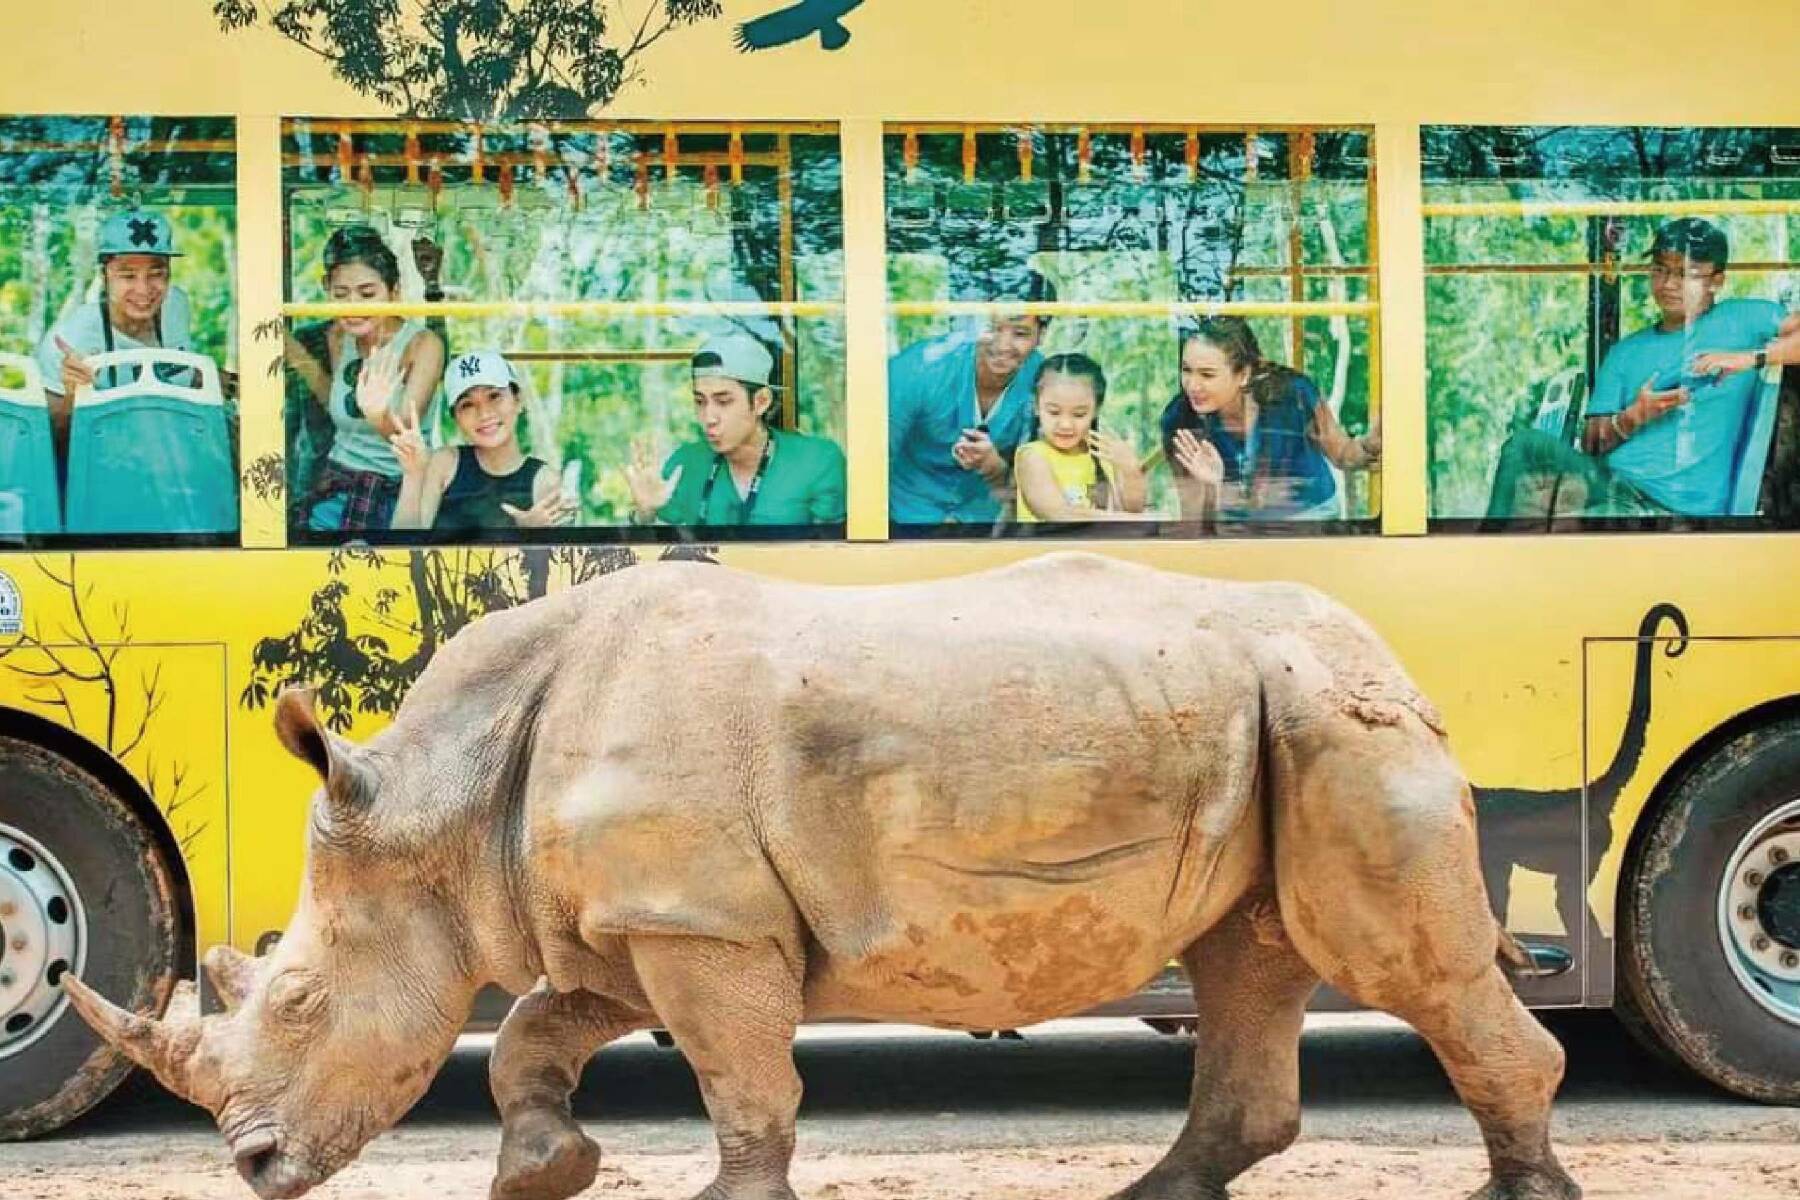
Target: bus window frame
<point>120,156</point>
<point>1298,270</point>
<point>651,165</point>
<point>1605,270</point>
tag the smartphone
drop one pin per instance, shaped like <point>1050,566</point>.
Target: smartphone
<point>1680,375</point>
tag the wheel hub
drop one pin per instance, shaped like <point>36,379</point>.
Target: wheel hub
<point>1759,912</point>
<point>1778,906</point>
<point>43,935</point>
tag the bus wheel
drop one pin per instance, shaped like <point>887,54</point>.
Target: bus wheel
<point>83,888</point>
<point>1709,919</point>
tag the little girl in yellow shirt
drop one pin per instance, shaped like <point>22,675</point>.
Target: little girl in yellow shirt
<point>1075,472</point>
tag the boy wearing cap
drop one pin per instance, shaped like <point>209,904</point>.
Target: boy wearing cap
<point>741,471</point>
<point>1670,402</point>
<point>138,309</point>
<point>487,483</point>
<point>958,409</point>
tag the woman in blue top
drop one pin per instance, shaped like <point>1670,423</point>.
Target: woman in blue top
<point>1248,439</point>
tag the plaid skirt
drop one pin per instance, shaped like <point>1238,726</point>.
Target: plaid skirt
<point>367,498</point>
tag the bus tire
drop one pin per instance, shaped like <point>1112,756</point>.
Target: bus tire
<point>83,887</point>
<point>1709,919</point>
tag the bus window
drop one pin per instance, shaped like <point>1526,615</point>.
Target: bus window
<point>118,421</point>
<point>1118,329</point>
<point>1608,316</point>
<point>567,331</point>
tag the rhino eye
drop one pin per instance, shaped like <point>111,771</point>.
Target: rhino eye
<point>295,997</point>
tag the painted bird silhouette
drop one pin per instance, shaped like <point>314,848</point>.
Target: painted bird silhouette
<point>798,21</point>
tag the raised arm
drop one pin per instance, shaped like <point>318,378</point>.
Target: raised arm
<point>1199,475</point>
<point>1345,452</point>
<point>549,507</point>
<point>424,475</point>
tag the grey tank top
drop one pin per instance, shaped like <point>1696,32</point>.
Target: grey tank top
<point>356,444</point>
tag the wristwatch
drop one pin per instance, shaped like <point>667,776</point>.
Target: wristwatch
<point>1762,359</point>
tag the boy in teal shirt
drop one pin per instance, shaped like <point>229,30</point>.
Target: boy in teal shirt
<point>740,472</point>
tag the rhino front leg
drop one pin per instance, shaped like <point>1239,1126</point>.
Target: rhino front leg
<point>544,1042</point>
<point>732,1010</point>
<point>1250,993</point>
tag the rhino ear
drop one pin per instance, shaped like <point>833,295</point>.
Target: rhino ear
<point>297,725</point>
<point>336,759</point>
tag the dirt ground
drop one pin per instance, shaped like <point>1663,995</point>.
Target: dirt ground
<point>444,1166</point>
<point>1071,1114</point>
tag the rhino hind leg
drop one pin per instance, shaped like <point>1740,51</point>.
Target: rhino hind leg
<point>1250,993</point>
<point>544,1042</point>
<point>1381,891</point>
<point>733,1010</point>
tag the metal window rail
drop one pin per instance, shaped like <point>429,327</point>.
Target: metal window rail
<point>400,125</point>
<point>901,128</point>
<point>1461,209</point>
<point>139,149</point>
<point>601,354</point>
<point>1368,309</point>
<point>527,159</point>
<point>1454,209</point>
<point>464,309</point>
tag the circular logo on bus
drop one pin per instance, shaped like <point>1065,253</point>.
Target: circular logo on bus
<point>12,608</point>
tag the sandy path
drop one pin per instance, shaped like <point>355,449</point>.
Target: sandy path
<point>456,1166</point>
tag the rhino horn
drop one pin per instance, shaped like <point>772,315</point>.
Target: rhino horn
<point>164,1048</point>
<point>349,781</point>
<point>232,974</point>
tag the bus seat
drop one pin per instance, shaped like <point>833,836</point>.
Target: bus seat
<point>1753,446</point>
<point>152,454</point>
<point>1560,403</point>
<point>29,499</point>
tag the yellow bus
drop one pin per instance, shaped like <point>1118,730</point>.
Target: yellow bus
<point>326,329</point>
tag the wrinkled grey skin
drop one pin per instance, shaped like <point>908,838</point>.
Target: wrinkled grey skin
<point>686,797</point>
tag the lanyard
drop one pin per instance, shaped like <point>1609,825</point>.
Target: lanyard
<point>749,502</point>
<point>106,329</point>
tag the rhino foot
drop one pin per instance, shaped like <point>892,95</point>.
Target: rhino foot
<point>1545,1185</point>
<point>544,1156</point>
<point>718,1191</point>
<point>1168,1186</point>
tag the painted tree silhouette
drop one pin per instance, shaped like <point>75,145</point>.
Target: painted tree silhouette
<point>374,624</point>
<point>476,60</point>
<point>75,670</point>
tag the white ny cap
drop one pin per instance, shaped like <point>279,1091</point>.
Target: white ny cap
<point>478,368</point>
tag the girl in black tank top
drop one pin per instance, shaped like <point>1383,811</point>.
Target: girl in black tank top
<point>473,499</point>
<point>488,482</point>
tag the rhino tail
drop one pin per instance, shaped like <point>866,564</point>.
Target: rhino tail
<point>1513,958</point>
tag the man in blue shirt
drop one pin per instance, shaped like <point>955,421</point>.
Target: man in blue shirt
<point>958,408</point>
<point>1670,402</point>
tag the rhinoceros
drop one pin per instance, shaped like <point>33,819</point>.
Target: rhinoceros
<point>686,797</point>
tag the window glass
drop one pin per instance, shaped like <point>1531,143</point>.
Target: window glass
<point>608,331</point>
<point>1608,313</point>
<point>1047,286</point>
<point>118,414</point>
